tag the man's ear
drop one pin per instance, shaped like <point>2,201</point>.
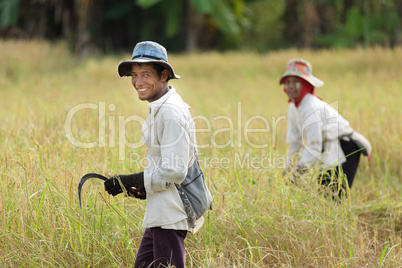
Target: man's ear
<point>165,75</point>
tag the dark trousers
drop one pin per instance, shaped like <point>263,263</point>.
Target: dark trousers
<point>161,247</point>
<point>349,168</point>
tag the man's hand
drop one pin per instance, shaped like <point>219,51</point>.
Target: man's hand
<point>113,187</point>
<point>139,193</point>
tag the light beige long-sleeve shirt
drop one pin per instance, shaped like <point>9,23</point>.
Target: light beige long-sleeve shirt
<point>314,129</point>
<point>169,135</point>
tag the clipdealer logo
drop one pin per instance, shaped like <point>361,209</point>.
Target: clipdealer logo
<point>223,131</point>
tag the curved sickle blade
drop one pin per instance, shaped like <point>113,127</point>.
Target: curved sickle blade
<point>84,179</point>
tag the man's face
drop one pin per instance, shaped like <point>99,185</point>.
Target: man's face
<point>293,87</point>
<point>146,81</point>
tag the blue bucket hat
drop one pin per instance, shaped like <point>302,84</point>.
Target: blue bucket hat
<point>147,52</point>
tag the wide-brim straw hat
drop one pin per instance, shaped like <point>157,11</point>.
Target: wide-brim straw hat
<point>301,68</point>
<point>147,52</point>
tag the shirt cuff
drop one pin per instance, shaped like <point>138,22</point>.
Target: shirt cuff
<point>154,182</point>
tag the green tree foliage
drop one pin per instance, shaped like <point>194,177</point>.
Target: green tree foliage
<point>368,22</point>
<point>180,23</point>
<point>8,13</point>
<point>222,13</point>
<point>186,25</point>
<point>264,29</point>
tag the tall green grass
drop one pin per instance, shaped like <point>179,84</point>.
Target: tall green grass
<point>259,219</point>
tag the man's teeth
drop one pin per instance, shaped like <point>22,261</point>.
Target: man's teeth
<point>142,89</point>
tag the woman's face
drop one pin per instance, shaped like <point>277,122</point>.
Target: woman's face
<point>293,87</point>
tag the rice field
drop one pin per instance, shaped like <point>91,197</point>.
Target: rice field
<point>62,118</point>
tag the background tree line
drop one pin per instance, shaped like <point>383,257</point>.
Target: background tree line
<point>187,25</point>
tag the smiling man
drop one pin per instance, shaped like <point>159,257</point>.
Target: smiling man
<point>168,134</point>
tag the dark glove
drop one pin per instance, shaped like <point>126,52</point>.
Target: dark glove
<point>113,187</point>
<point>139,193</point>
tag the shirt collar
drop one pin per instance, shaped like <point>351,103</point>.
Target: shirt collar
<point>163,99</point>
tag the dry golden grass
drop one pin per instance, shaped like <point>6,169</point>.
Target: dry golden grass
<point>258,220</point>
